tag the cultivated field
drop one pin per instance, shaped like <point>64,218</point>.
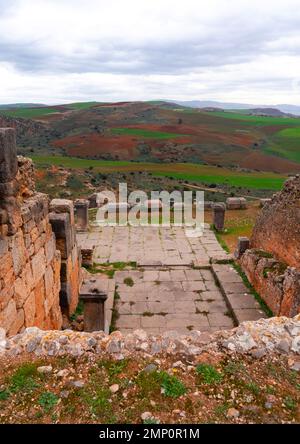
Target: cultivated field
<point>159,132</point>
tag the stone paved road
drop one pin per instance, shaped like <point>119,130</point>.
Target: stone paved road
<point>170,299</point>
<point>152,246</point>
<point>177,284</point>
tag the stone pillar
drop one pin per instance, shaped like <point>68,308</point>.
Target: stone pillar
<point>82,215</point>
<point>93,203</point>
<point>219,215</point>
<point>94,305</point>
<point>242,246</point>
<point>63,225</point>
<point>10,218</point>
<point>8,155</point>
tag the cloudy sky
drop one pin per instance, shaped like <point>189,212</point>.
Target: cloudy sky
<point>56,51</point>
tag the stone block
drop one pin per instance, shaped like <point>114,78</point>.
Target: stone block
<point>94,308</point>
<point>63,206</point>
<point>8,315</point>
<point>3,247</point>
<point>30,310</point>
<point>81,212</point>
<point>219,216</point>
<point>17,324</point>
<point>50,248</point>
<point>49,280</point>
<point>236,203</point>
<point>41,310</point>
<point>61,226</point>
<point>20,291</point>
<point>19,252</point>
<point>38,265</point>
<point>8,154</point>
<point>242,246</point>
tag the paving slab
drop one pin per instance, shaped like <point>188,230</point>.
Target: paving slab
<point>180,282</point>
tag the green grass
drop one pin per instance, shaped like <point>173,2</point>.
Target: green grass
<point>290,403</point>
<point>180,171</point>
<point>285,143</point>
<point>4,395</point>
<point>208,374</point>
<point>256,120</point>
<point>81,105</point>
<point>29,113</point>
<point>24,378</point>
<point>149,383</point>
<point>48,401</point>
<point>148,134</point>
<point>113,368</point>
<point>238,180</point>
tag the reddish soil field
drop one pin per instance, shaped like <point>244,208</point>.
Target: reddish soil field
<point>204,132</point>
<point>260,161</point>
<point>93,144</point>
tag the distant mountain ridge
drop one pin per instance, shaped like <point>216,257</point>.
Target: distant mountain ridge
<point>284,108</point>
<point>21,105</point>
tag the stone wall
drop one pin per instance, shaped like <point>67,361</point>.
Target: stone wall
<point>39,257</point>
<point>63,224</point>
<point>272,264</point>
<point>277,229</point>
<point>278,285</point>
<point>29,261</point>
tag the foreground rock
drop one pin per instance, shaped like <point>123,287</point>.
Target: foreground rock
<point>280,335</point>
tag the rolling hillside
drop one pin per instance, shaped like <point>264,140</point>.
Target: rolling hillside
<point>158,131</point>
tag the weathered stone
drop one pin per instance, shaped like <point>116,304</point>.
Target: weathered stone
<point>295,347</point>
<point>242,246</point>
<point>218,215</point>
<point>81,212</point>
<point>114,388</point>
<point>277,227</point>
<point>45,369</point>
<point>236,203</point>
<point>61,226</point>
<point>233,413</point>
<point>150,368</point>
<point>8,154</point>
<point>2,334</point>
<point>259,353</point>
<point>63,206</point>
<point>78,384</point>
<point>283,346</point>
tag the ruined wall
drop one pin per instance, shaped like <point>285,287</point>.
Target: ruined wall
<point>29,260</point>
<point>277,229</point>
<point>63,224</point>
<point>272,264</point>
<point>277,284</point>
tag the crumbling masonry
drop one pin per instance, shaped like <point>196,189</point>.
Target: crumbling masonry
<point>39,260</point>
<point>272,264</point>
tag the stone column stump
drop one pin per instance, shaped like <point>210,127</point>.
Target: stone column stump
<point>242,246</point>
<point>82,215</point>
<point>94,305</point>
<point>219,215</point>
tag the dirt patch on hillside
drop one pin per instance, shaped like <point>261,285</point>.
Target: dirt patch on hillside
<point>97,144</point>
<point>263,162</point>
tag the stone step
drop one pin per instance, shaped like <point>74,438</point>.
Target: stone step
<point>240,301</point>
